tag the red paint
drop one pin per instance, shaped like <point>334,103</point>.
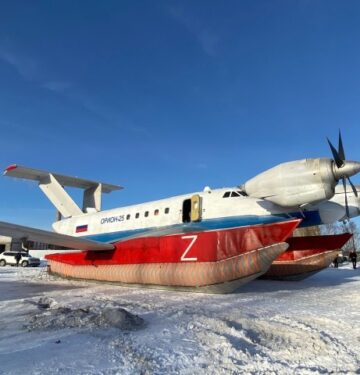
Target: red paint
<point>209,246</point>
<point>301,247</point>
<point>11,167</point>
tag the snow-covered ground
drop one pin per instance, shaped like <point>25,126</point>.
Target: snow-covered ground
<point>49,326</point>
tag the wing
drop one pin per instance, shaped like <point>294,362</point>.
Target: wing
<point>33,234</point>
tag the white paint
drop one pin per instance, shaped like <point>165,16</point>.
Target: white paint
<point>193,240</point>
<point>213,205</point>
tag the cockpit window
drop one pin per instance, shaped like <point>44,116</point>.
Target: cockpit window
<point>233,194</point>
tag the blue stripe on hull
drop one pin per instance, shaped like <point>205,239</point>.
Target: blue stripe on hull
<point>311,218</point>
<point>205,225</point>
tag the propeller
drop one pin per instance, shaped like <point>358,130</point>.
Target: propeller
<point>343,169</point>
<point>346,199</point>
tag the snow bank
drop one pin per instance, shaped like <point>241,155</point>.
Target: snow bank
<point>53,325</point>
<point>60,317</point>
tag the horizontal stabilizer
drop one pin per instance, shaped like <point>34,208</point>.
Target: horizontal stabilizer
<point>37,175</point>
<point>47,237</point>
<point>52,185</point>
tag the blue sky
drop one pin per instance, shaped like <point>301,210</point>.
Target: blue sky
<point>166,97</point>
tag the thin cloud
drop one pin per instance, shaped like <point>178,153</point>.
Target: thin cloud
<point>30,70</point>
<point>26,67</point>
<point>207,39</point>
<point>57,86</point>
<point>209,42</point>
<point>201,166</point>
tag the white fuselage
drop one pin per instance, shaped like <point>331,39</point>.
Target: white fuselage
<point>217,212</point>
<point>220,209</point>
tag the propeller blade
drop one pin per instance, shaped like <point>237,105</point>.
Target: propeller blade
<point>338,161</point>
<point>346,200</point>
<point>353,188</point>
<point>341,151</point>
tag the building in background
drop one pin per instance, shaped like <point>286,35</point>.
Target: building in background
<point>5,243</point>
<point>36,249</point>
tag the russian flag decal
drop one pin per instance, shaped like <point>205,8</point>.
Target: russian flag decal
<point>81,228</point>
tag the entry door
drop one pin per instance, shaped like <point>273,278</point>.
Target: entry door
<point>196,208</point>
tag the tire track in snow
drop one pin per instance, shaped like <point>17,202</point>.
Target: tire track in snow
<point>280,343</point>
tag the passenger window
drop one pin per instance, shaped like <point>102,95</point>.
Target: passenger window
<point>146,213</point>
<point>128,217</point>
<point>227,194</point>
<point>137,215</point>
<point>167,210</point>
<point>156,212</point>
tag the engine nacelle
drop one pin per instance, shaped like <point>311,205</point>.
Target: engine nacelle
<point>294,183</point>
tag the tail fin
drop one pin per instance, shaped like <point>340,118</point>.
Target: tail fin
<point>52,185</point>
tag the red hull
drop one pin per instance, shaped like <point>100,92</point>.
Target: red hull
<point>184,260</point>
<point>305,256</point>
